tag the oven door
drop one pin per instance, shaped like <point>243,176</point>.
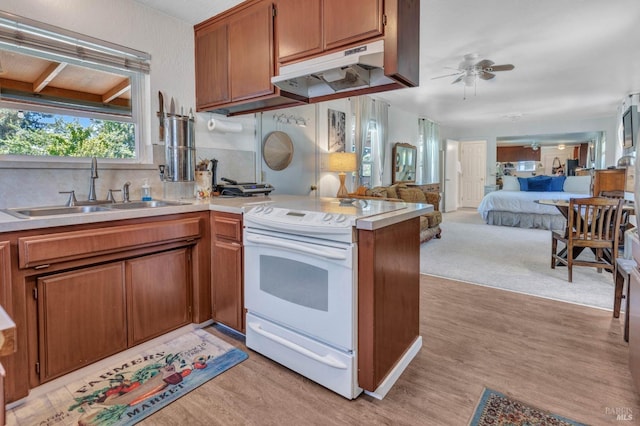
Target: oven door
<point>305,284</point>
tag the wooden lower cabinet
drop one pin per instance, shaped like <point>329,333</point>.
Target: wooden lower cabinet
<point>82,318</point>
<point>158,294</point>
<point>80,293</point>
<point>226,270</point>
<point>388,298</point>
<point>608,180</point>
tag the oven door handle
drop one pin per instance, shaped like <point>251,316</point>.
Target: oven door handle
<point>312,250</point>
<point>327,359</point>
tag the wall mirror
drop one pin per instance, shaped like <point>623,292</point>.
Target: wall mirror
<point>404,163</point>
<point>277,150</point>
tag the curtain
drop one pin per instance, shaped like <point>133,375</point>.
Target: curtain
<point>379,118</point>
<point>429,150</point>
<point>23,34</point>
<point>371,124</point>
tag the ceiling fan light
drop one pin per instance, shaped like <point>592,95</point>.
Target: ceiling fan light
<point>469,80</point>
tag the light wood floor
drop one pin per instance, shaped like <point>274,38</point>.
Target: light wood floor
<point>564,358</point>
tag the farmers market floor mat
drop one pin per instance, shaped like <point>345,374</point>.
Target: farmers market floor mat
<point>130,390</point>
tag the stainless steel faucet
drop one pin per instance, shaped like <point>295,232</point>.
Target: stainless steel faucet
<point>94,176</point>
<point>125,192</point>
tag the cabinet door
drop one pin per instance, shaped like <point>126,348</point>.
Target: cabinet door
<point>212,65</point>
<point>228,306</point>
<point>226,269</point>
<point>158,296</point>
<point>82,318</point>
<point>348,22</point>
<point>299,29</point>
<point>251,55</point>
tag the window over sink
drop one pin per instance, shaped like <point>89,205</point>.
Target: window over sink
<point>64,95</point>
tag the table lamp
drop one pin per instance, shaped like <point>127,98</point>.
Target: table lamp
<point>342,162</point>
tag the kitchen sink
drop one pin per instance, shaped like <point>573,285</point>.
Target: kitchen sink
<point>143,204</point>
<point>31,212</point>
<point>25,213</point>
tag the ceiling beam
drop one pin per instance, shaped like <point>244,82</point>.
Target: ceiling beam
<point>117,90</point>
<point>49,74</point>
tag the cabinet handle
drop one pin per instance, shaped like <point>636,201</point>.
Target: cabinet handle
<point>41,266</point>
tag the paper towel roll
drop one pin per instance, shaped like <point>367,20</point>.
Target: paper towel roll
<point>224,126</point>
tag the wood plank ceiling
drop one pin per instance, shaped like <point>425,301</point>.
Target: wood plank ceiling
<point>30,75</point>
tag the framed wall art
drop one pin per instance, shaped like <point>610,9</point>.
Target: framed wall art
<point>337,129</point>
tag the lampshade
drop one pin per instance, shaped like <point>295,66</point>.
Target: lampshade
<point>343,162</point>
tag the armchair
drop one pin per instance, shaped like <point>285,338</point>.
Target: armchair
<point>429,222</point>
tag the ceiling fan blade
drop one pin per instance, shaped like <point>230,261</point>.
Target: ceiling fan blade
<point>505,67</point>
<point>487,75</point>
<point>458,79</point>
<point>443,76</point>
<point>485,63</point>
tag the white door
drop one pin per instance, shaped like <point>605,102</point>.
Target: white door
<point>451,175</point>
<point>473,159</point>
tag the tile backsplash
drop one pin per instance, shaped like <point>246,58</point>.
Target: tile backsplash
<point>30,187</point>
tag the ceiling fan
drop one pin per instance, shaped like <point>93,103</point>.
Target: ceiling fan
<point>470,70</point>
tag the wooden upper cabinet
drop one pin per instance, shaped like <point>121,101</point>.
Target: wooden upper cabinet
<point>309,27</point>
<point>348,22</point>
<point>516,153</point>
<point>251,54</point>
<point>212,65</point>
<point>299,29</point>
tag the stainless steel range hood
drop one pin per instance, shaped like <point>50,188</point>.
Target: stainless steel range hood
<point>347,70</point>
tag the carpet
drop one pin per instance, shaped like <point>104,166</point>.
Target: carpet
<point>130,390</point>
<point>509,258</point>
<point>497,409</point>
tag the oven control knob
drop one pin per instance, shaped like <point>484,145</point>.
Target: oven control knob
<point>341,218</point>
<point>327,217</point>
<point>268,210</point>
<point>258,209</point>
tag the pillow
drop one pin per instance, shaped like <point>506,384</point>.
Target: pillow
<point>557,183</point>
<point>378,191</point>
<point>510,183</point>
<point>523,183</point>
<point>412,195</point>
<point>538,183</point>
<point>577,184</point>
<point>392,191</point>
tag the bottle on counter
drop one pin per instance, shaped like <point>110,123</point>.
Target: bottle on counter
<point>146,191</point>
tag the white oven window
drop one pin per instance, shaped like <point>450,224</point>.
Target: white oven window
<point>295,282</point>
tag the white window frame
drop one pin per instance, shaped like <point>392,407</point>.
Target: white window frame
<point>100,55</point>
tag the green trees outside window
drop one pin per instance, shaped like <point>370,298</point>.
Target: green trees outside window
<point>44,134</point>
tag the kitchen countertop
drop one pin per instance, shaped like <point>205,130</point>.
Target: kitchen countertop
<point>236,205</point>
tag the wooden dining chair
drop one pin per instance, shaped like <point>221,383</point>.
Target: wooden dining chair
<point>626,214</point>
<point>593,223</point>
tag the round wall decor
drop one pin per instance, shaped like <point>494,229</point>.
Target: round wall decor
<point>277,150</point>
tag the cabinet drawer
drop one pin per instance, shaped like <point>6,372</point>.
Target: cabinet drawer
<point>227,226</point>
<point>65,246</point>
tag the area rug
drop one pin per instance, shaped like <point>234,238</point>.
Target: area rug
<point>514,259</point>
<point>129,391</point>
<point>497,409</point>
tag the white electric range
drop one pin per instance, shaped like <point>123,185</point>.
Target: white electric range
<point>300,278</point>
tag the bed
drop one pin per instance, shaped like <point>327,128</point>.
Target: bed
<point>515,205</point>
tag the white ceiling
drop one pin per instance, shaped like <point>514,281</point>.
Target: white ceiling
<point>574,59</point>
